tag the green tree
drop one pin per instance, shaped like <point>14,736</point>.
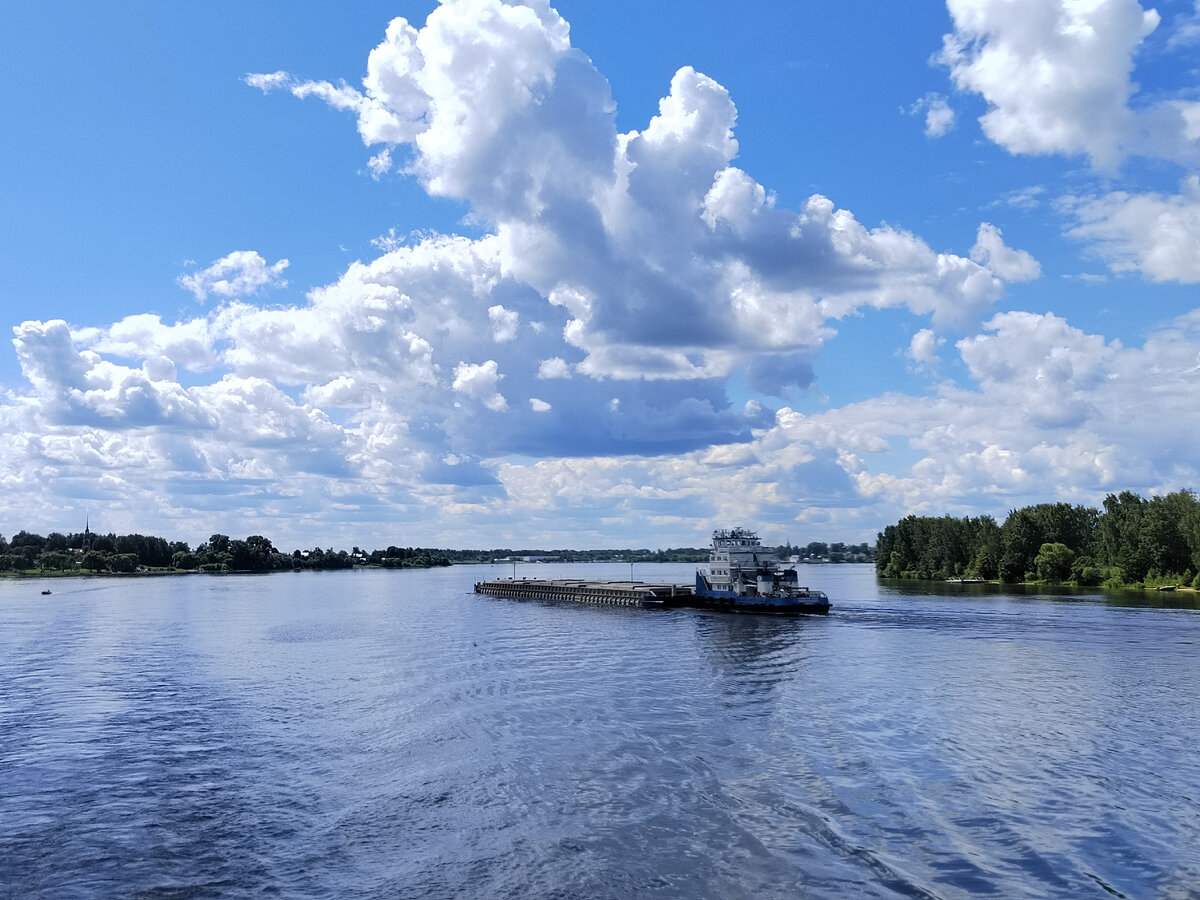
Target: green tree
<point>95,561</point>
<point>218,543</point>
<point>1120,536</point>
<point>1061,523</point>
<point>985,563</point>
<point>989,547</point>
<point>1188,508</point>
<point>260,545</point>
<point>55,560</point>
<point>123,562</point>
<point>1163,537</point>
<point>1021,538</point>
<point>183,559</point>
<point>23,539</point>
<point>25,555</point>
<point>1053,562</point>
<point>927,548</point>
<point>1085,572</point>
<point>149,550</point>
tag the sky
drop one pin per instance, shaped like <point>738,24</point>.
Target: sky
<point>578,274</point>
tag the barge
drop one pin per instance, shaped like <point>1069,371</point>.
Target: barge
<point>603,593</point>
<point>741,577</point>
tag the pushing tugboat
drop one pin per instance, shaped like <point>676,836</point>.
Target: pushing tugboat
<point>742,577</point>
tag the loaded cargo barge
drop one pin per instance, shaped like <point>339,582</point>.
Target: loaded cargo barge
<point>742,577</point>
<point>603,593</point>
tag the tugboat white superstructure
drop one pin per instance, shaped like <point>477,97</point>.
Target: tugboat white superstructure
<point>742,577</point>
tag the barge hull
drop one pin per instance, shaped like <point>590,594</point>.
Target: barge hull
<point>601,593</point>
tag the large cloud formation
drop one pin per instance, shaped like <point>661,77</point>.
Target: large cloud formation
<point>1057,76</point>
<point>576,358</point>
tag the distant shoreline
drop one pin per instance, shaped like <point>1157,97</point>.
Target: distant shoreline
<point>170,572</point>
<point>36,574</point>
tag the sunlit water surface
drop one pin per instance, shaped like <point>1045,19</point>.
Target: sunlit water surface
<point>391,734</point>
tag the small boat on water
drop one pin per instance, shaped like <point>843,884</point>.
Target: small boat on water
<point>743,577</point>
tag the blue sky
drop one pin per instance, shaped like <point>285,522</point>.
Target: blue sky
<point>585,274</point>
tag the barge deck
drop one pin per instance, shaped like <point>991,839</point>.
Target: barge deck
<point>605,593</point>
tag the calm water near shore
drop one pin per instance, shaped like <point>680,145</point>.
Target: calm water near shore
<point>391,734</point>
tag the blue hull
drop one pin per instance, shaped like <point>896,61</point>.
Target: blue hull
<point>812,603</point>
<point>756,605</point>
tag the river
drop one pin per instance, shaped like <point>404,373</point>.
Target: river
<point>392,734</point>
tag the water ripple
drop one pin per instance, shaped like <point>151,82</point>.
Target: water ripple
<point>394,735</point>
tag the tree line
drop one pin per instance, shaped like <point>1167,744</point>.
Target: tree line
<point>1133,540</point>
<point>127,553</point>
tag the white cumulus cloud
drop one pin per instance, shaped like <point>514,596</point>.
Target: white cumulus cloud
<point>1057,77</point>
<point>1009,264</point>
<point>554,367</point>
<point>240,274</point>
<point>939,115</point>
<point>667,258</point>
<point>504,323</point>
<point>478,381</point>
<point>1154,234</point>
<point>923,348</point>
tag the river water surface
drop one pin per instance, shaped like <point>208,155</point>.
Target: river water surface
<point>391,734</point>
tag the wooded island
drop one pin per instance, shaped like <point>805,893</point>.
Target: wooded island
<point>1133,541</point>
